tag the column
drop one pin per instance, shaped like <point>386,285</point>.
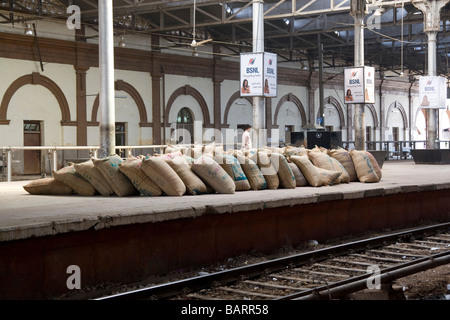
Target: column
<point>358,11</point>
<point>106,64</point>
<point>259,136</point>
<point>431,23</point>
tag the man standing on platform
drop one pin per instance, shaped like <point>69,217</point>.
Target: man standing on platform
<point>246,139</point>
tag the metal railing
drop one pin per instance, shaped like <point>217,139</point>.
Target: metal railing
<point>396,149</point>
<point>123,151</point>
<point>52,152</point>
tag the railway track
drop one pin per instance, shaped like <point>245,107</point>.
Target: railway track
<point>330,273</point>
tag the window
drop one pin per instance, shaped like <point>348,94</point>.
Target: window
<point>185,127</point>
<point>29,126</point>
<point>121,137</point>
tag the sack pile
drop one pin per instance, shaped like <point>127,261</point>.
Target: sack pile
<point>210,169</point>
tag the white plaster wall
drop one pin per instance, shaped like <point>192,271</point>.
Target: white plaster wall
<point>125,106</point>
<point>35,102</point>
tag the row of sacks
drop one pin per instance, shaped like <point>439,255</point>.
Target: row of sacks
<point>176,173</point>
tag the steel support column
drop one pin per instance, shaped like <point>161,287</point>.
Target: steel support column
<point>106,65</point>
<point>259,132</point>
<point>358,11</point>
<point>431,24</point>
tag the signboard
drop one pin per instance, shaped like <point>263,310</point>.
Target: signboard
<point>359,85</point>
<point>433,92</point>
<point>270,74</point>
<point>258,74</point>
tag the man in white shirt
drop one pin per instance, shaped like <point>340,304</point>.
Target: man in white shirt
<point>246,139</point>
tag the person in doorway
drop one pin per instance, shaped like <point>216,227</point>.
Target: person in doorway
<point>246,139</point>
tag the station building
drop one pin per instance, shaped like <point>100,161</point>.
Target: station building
<point>49,89</point>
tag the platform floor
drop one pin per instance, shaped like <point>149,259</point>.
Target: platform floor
<point>23,215</point>
<point>113,239</point>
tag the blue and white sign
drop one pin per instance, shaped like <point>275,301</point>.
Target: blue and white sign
<point>359,85</point>
<point>433,92</point>
<point>258,74</point>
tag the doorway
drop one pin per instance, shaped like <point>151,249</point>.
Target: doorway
<point>31,138</point>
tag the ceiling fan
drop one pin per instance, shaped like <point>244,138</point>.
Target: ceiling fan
<point>193,44</point>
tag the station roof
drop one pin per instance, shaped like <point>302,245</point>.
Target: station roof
<point>394,41</point>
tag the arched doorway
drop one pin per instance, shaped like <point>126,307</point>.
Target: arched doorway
<point>184,132</point>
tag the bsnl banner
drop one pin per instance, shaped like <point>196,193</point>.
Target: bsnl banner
<point>258,74</point>
<point>433,92</point>
<point>359,85</point>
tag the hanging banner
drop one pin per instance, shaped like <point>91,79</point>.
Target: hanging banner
<point>359,85</point>
<point>270,74</point>
<point>432,92</point>
<point>258,74</point>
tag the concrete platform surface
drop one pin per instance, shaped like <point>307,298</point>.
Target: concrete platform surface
<point>23,215</point>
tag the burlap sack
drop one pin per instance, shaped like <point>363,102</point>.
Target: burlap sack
<point>295,151</point>
<point>194,152</point>
<point>157,169</point>
<point>345,159</point>
<point>70,177</point>
<point>285,174</point>
<point>300,179</point>
<point>308,170</point>
<point>261,158</point>
<point>212,149</point>
<point>194,185</point>
<point>363,166</point>
<point>213,174</point>
<point>47,186</point>
<point>252,172</point>
<point>131,167</point>
<point>89,172</point>
<point>324,161</point>
<point>375,165</point>
<point>231,165</point>
<point>329,177</point>
<point>170,155</point>
<point>109,167</point>
<point>315,176</point>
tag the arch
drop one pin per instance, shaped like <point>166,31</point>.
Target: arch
<point>189,91</point>
<point>332,101</point>
<point>399,106</point>
<point>374,114</point>
<point>36,79</point>
<point>185,121</point>
<point>292,98</point>
<point>233,98</point>
<point>121,85</point>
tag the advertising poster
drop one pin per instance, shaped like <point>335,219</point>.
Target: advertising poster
<point>432,92</point>
<point>359,85</point>
<point>258,74</point>
<point>369,85</point>
<point>270,74</point>
<point>252,74</point>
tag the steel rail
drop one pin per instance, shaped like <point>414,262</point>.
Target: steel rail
<point>227,276</point>
<point>341,288</point>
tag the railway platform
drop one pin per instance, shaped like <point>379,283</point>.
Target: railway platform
<point>126,239</point>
